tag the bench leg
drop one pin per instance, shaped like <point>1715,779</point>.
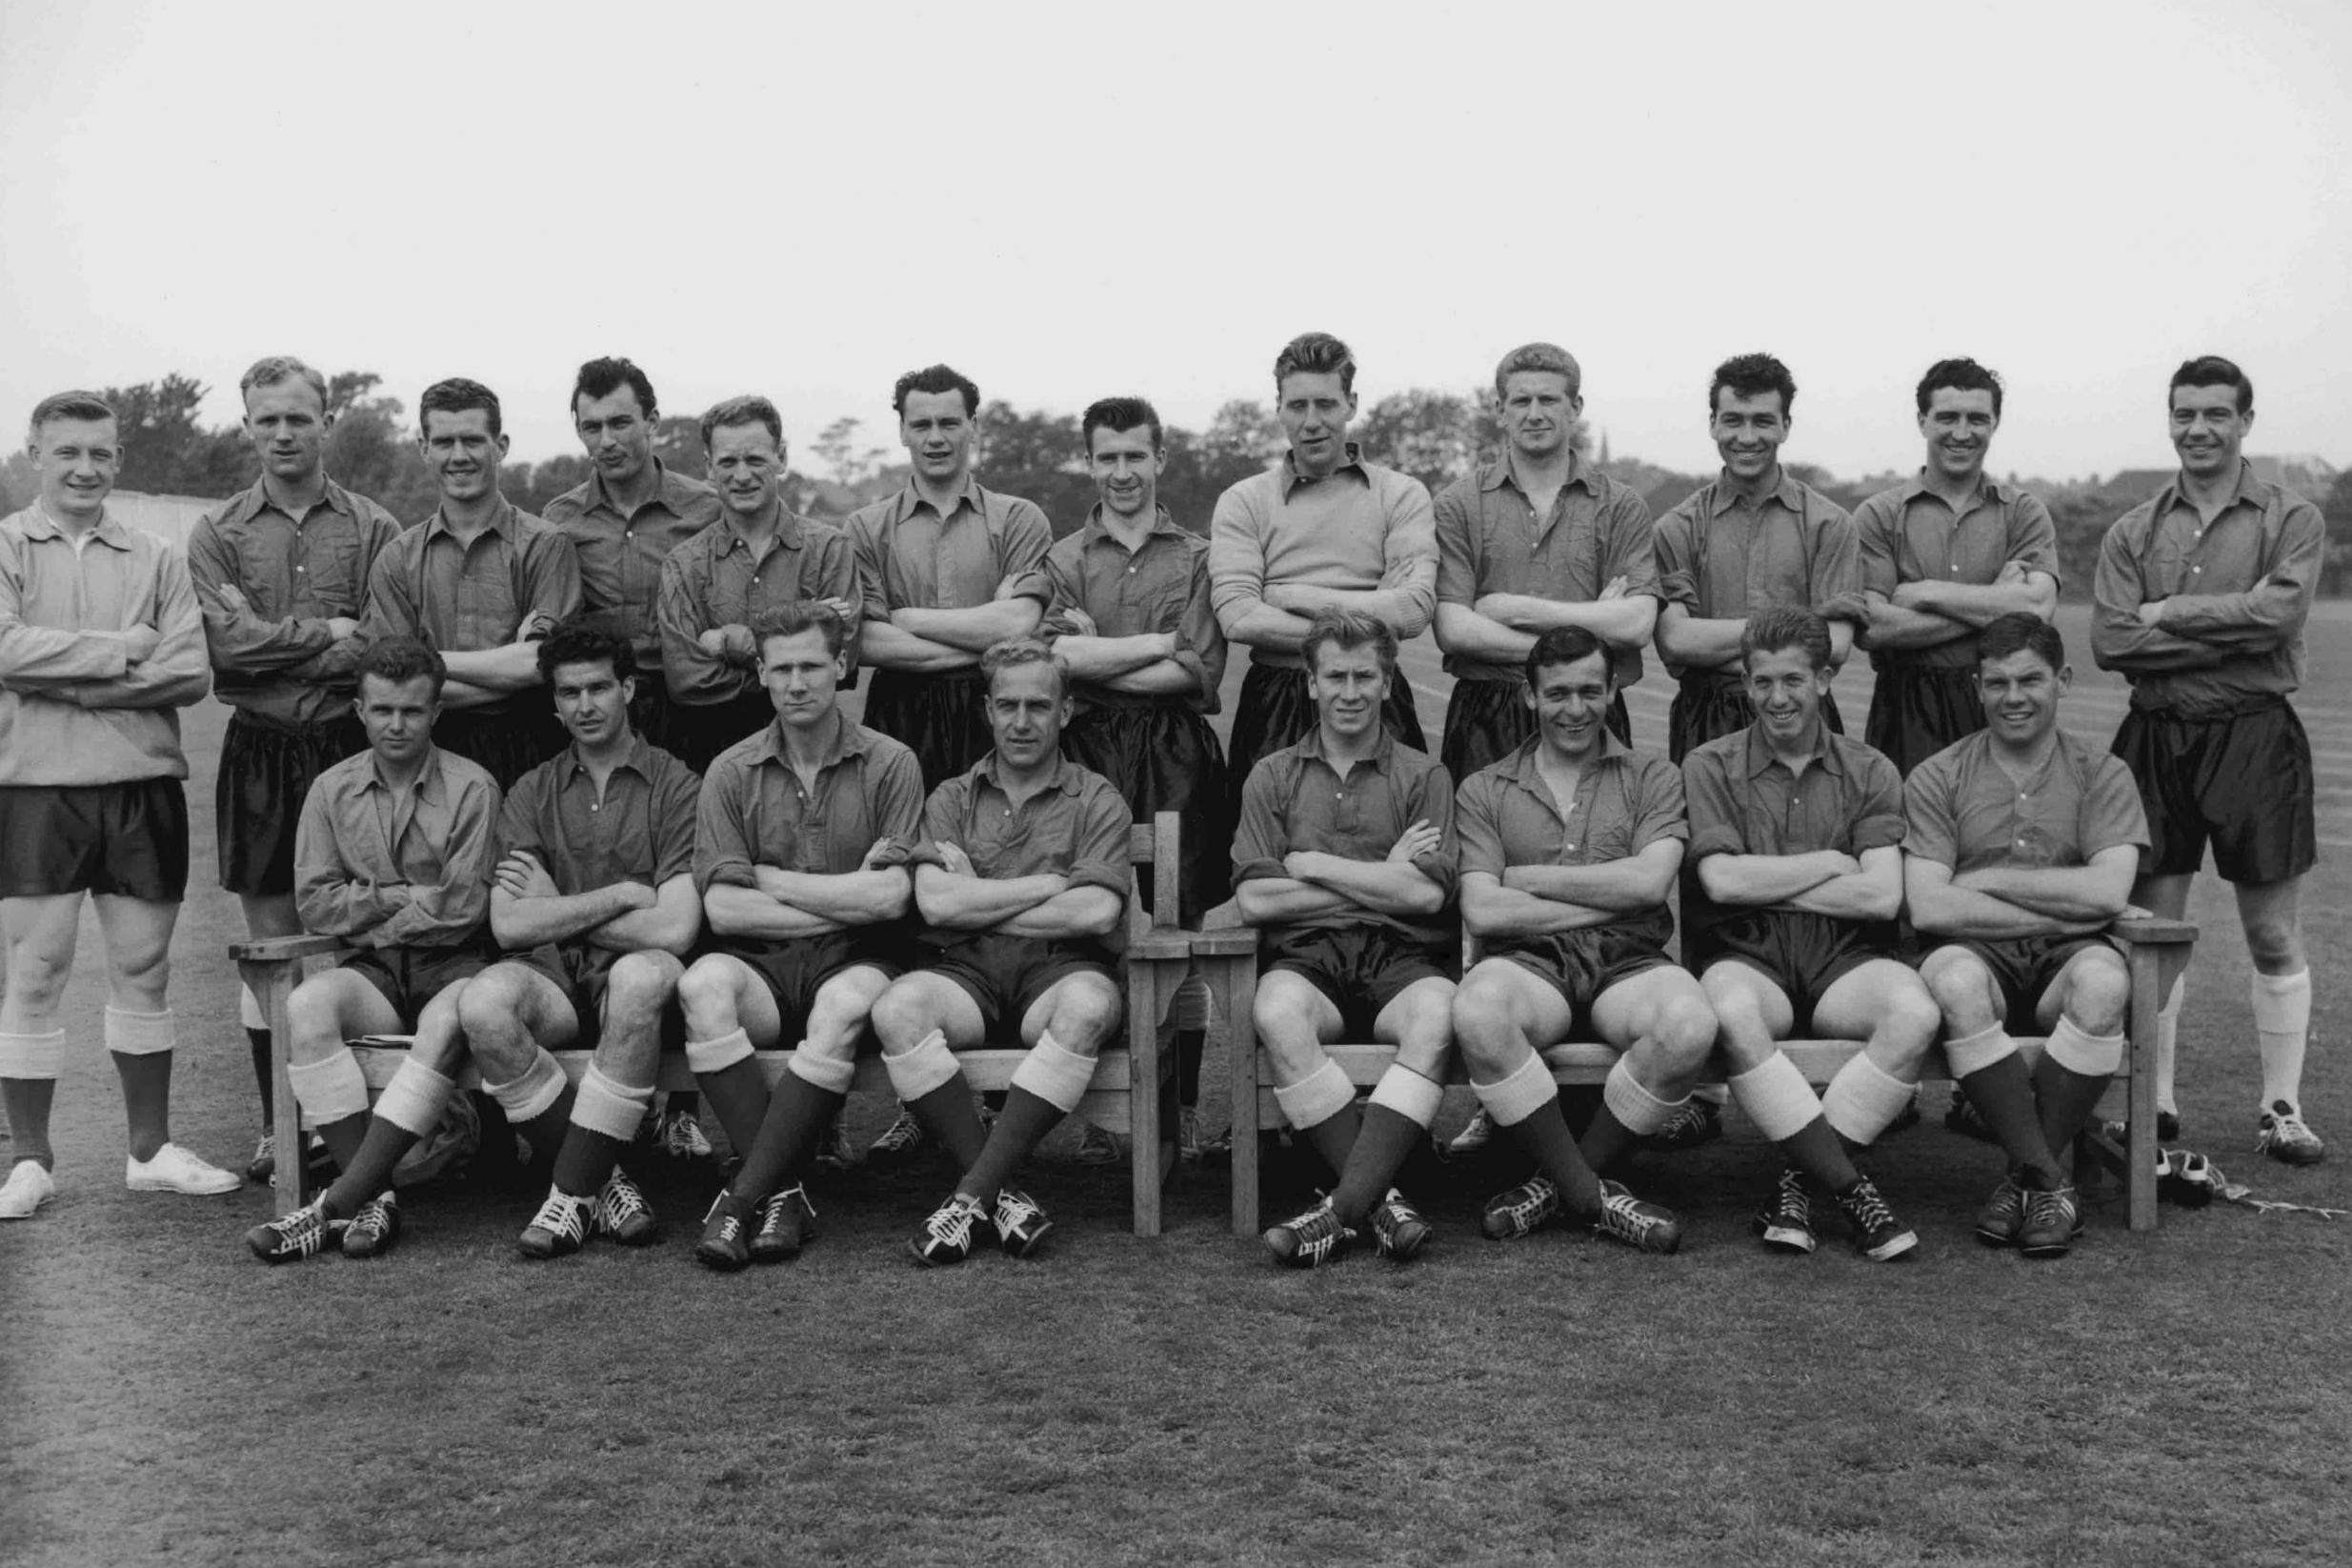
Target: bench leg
<point>1144,1089</point>
<point>1241,1043</point>
<point>2140,1146</point>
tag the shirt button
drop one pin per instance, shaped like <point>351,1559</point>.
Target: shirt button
<point>302,569</point>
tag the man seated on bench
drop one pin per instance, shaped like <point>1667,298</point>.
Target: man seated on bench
<point>594,902</point>
<point>800,852</point>
<point>1022,880</point>
<point>1796,836</point>
<point>2022,846</point>
<point>392,854</point>
<point>1569,849</point>
<point>1345,857</point>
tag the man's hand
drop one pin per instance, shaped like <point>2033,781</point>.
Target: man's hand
<point>139,643</point>
<point>342,627</point>
<point>712,642</point>
<point>1419,839</point>
<point>1614,590</point>
<point>535,626</point>
<point>2151,612</point>
<point>884,854</point>
<point>1081,624</point>
<point>844,610</point>
<point>738,644</point>
<point>952,857</point>
<point>522,876</point>
<point>1285,596</point>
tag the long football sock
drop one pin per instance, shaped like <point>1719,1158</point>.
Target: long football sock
<point>1404,1104</point>
<point>258,1039</point>
<point>798,1110</point>
<point>2281,1025</point>
<point>2075,1070</point>
<point>2168,1046</point>
<point>1994,1078</point>
<point>1526,1111</point>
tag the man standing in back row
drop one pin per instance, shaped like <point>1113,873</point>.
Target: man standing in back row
<point>1943,555</point>
<point>2201,596</point>
<point>1323,529</point>
<point>281,571</point>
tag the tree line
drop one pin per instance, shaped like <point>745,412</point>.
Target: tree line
<point>1436,437</point>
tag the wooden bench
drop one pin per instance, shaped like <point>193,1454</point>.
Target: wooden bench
<point>1133,1092</point>
<point>2158,951</point>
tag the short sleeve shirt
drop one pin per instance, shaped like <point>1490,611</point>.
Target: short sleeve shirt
<point>908,556</point>
<point>1965,810</point>
<point>1490,542</point>
<point>1075,825</point>
<point>1295,799</point>
<point>1725,559</point>
<point>641,830</point>
<point>621,554</point>
<point>755,811</point>
<point>714,579</point>
<point>1625,801</point>
<point>1162,586</point>
<point>1743,800</point>
<point>1910,534</point>
<point>465,598</point>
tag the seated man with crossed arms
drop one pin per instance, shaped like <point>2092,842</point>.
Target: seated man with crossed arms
<point>594,903</point>
<point>1022,882</point>
<point>2022,846</point>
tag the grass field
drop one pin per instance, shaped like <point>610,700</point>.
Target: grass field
<point>2172,1397</point>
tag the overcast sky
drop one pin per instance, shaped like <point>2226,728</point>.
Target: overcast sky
<point>1067,202</point>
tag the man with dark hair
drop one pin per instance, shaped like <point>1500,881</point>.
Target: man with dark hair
<point>101,642</point>
<point>1943,554</point>
<point>1322,530</point>
<point>2202,596</point>
<point>1789,922</point>
<point>281,572</point>
<point>1535,541</point>
<point>395,857</point>
<point>2021,844</point>
<point>1129,615</point>
<point>757,558</point>
<point>949,568</point>
<point>1344,858</point>
<point>800,852</point>
<point>1569,847</point>
<point>1755,538</point>
<point>1023,883</point>
<point>626,520</point>
<point>594,901</point>
<point>480,582</point>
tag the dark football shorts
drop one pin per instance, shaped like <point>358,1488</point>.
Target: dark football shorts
<point>410,976</point>
<point>2242,782</point>
<point>1802,953</point>
<point>942,718</point>
<point>1360,969</point>
<point>267,769</point>
<point>1582,964</point>
<point>124,840</point>
<point>1708,706</point>
<point>795,971</point>
<point>1005,976</point>
<point>1276,710</point>
<point>508,742</point>
<point>1917,710</point>
<point>2024,967</point>
<point>698,731</point>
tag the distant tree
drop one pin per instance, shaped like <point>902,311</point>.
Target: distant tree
<point>20,485</point>
<point>165,451</point>
<point>1432,435</point>
<point>1242,437</point>
<point>677,441</point>
<point>373,448</point>
<point>847,459</point>
<point>2081,517</point>
<point>1036,455</point>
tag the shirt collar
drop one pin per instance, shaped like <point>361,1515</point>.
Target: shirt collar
<point>249,504</point>
<point>1727,494</point>
<point>1761,757</point>
<point>909,498</point>
<point>787,530</point>
<point>671,489</point>
<point>2241,490</point>
<point>501,522</point>
<point>1497,473</point>
<point>1987,486</point>
<point>1064,777</point>
<point>1094,529</point>
<point>1350,461</point>
<point>1311,744</point>
<point>430,783</point>
<point>851,739</point>
<point>638,761</point>
<point>111,531</point>
<point>1525,769</point>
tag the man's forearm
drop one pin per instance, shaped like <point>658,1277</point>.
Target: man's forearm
<point>975,629</point>
<point>2075,892</point>
<point>974,903</point>
<point>1766,878</point>
<point>854,898</point>
<point>1981,604</point>
<point>509,668</point>
<point>1697,644</point>
<point>1625,622</point>
<point>1076,913</point>
<point>747,912</point>
<point>888,647</point>
<point>1100,658</point>
<point>1892,628</point>
<point>1505,911</point>
<point>1463,631</point>
<point>1959,912</point>
<point>1392,886</point>
<point>1621,885</point>
<point>531,922</point>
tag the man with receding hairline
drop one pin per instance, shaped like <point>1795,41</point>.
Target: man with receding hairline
<point>626,519</point>
<point>100,643</point>
<point>281,571</point>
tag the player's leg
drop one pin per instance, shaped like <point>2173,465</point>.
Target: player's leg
<point>1502,1012</point>
<point>265,915</point>
<point>2271,916</point>
<point>139,1030</point>
<point>1065,1027</point>
<point>922,1021</point>
<point>615,1093</point>
<point>409,1109</point>
<point>1418,1020</point>
<point>1985,1062</point>
<point>1661,1019</point>
<point>2167,897</point>
<point>511,1015</point>
<point>325,1012</point>
<point>1294,1017</point>
<point>41,935</point>
<point>1753,1014</point>
<point>2084,1008</point>
<point>815,1083</point>
<point>731,1010</point>
<point>1882,1002</point>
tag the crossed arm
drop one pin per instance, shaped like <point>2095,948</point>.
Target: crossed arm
<point>2005,901</point>
<point>526,911</point>
<point>953,894</point>
<point>1502,628</point>
<point>782,904</point>
<point>1316,883</point>
<point>1818,882</point>
<point>1531,900</point>
<point>1931,611</point>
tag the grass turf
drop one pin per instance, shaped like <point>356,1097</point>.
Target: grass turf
<point>2168,1398</point>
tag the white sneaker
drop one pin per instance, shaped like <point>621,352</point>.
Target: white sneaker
<point>174,1170</point>
<point>29,1187</point>
<point>1473,1138</point>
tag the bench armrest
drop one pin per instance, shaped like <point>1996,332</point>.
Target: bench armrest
<point>263,949</point>
<point>2153,931</point>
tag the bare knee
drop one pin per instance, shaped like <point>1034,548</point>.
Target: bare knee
<point>2099,994</point>
<point>641,982</point>
<point>2274,942</point>
<point>1962,989</point>
<point>1084,1015</point>
<point>900,1017</point>
<point>1909,1017</point>
<point>488,1004</point>
<point>37,976</point>
<point>1684,1032</point>
<point>1482,1019</point>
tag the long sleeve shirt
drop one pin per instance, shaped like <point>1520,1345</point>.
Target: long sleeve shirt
<point>2236,593</point>
<point>621,555</point>
<point>272,655</point>
<point>382,871</point>
<point>713,579</point>
<point>465,598</point>
<point>73,709</point>
<point>1362,529</point>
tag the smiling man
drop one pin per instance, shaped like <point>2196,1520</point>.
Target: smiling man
<point>594,901</point>
<point>1345,861</point>
<point>101,643</point>
<point>1022,884</point>
<point>2022,846</point>
<point>1943,555</point>
<point>625,521</point>
<point>1789,919</point>
<point>2201,595</point>
<point>1321,530</point>
<point>479,582</point>
<point>755,560</point>
<point>281,571</point>
<point>1753,539</point>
